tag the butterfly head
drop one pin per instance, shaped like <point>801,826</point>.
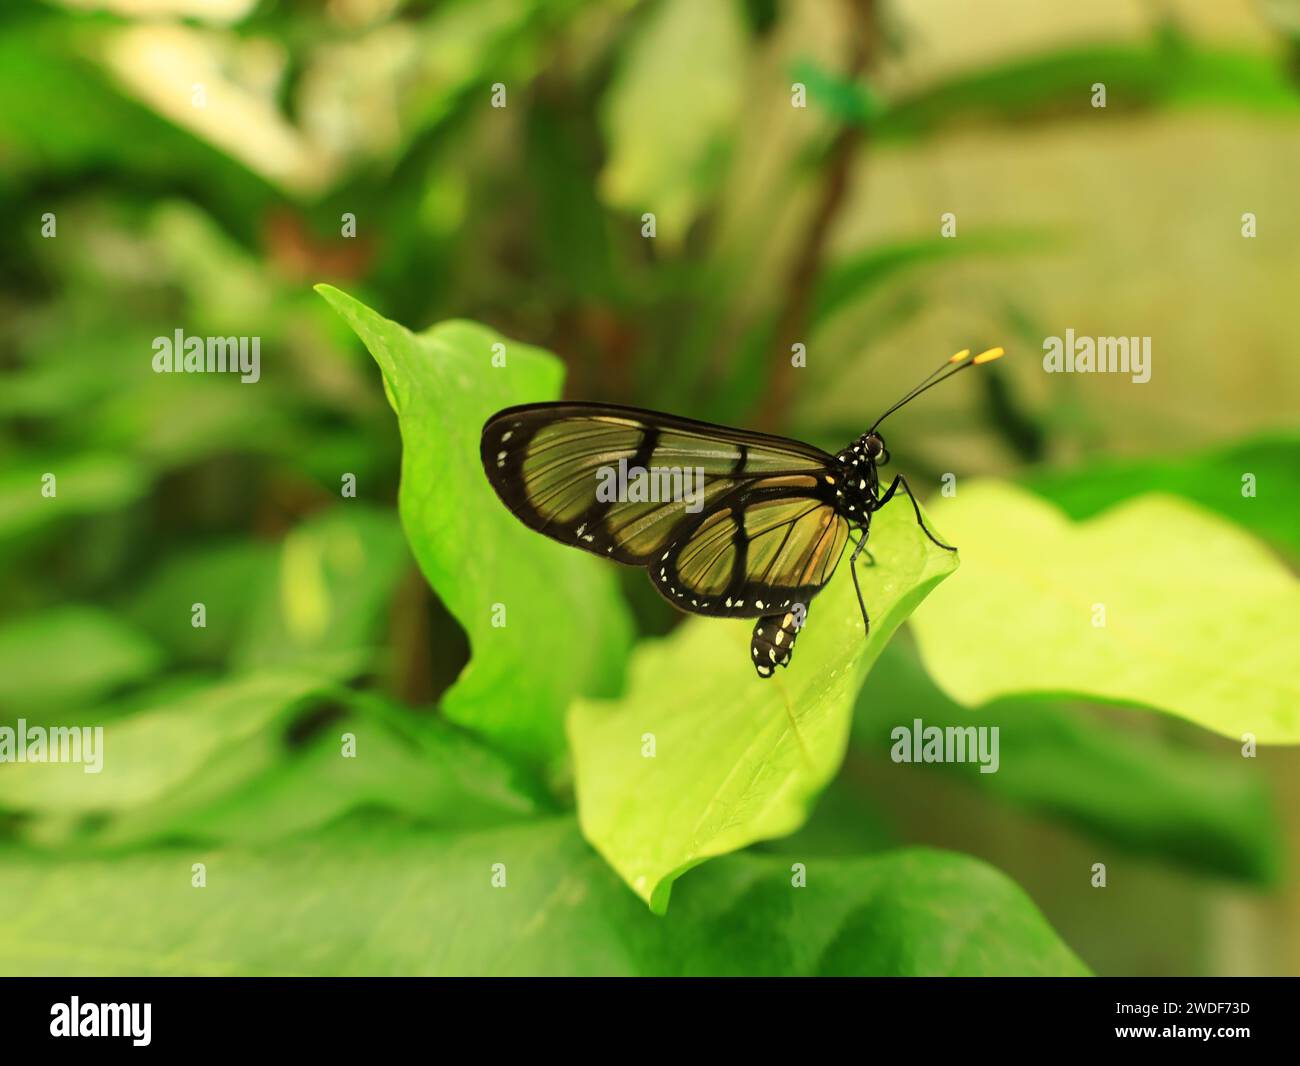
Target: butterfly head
<point>873,448</point>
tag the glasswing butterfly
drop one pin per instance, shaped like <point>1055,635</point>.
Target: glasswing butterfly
<point>726,522</point>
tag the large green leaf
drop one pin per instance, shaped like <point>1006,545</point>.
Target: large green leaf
<point>1154,795</point>
<point>1199,618</point>
<point>728,768</point>
<point>374,898</point>
<point>566,630</point>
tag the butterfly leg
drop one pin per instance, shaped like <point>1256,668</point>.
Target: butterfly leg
<point>858,549</point>
<point>857,544</point>
<point>894,485</point>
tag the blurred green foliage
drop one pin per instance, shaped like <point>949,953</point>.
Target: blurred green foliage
<point>135,210</point>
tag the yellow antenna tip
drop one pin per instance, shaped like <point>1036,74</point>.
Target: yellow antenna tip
<point>989,356</point>
<point>960,356</point>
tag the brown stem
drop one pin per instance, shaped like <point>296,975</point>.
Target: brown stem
<point>792,322</point>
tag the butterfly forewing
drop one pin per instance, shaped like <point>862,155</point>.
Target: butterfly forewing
<point>546,462</point>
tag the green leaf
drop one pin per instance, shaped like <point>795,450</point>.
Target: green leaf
<point>68,656</point>
<point>728,769</point>
<point>1214,479</point>
<point>83,485</point>
<point>1199,617</point>
<point>864,272</point>
<point>668,109</point>
<point>1048,87</point>
<point>63,116</point>
<point>573,238</point>
<point>226,577</point>
<point>1156,796</point>
<point>567,630</point>
<point>378,899</point>
<point>844,99</point>
<point>155,751</point>
<point>423,769</point>
<point>849,282</point>
<point>335,580</point>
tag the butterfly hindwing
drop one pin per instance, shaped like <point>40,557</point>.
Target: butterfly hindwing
<point>763,548</point>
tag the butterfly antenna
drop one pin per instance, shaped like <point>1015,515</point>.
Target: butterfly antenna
<point>955,364</point>
<point>794,726</point>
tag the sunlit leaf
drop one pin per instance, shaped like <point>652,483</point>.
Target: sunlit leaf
<point>1155,602</point>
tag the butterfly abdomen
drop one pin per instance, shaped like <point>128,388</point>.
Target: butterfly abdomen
<point>772,644</point>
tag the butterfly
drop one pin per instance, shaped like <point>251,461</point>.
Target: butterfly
<point>726,522</point>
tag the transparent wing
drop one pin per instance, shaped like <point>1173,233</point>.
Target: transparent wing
<point>768,546</point>
<point>625,483</point>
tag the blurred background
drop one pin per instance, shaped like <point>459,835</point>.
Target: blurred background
<point>199,158</point>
